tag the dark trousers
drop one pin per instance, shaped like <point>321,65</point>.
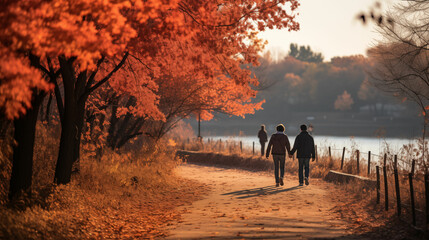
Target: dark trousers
<point>279,164</point>
<point>304,164</point>
<point>262,148</point>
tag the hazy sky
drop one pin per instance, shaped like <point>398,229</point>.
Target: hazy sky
<point>328,26</point>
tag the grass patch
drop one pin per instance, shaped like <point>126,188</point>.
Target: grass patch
<point>120,196</point>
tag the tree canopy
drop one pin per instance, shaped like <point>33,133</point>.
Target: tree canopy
<point>304,53</point>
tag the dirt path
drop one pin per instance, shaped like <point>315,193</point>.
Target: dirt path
<point>244,205</point>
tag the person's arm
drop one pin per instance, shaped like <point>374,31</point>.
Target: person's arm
<point>313,154</point>
<point>270,144</point>
<point>295,145</point>
<point>288,145</point>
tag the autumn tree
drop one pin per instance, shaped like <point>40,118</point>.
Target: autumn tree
<point>84,44</point>
<point>344,102</point>
<point>304,53</point>
<point>401,58</point>
<point>317,85</point>
<point>42,40</point>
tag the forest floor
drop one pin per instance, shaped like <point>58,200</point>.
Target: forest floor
<point>247,205</point>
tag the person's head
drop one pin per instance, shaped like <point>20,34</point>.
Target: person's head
<point>280,128</point>
<point>303,127</point>
<point>262,127</point>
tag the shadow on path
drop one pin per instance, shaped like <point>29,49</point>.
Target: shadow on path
<point>255,192</point>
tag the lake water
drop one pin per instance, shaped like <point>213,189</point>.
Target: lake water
<point>363,144</point>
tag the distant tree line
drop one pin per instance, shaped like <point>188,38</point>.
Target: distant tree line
<point>303,82</point>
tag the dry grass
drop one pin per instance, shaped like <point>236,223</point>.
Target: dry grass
<point>127,196</point>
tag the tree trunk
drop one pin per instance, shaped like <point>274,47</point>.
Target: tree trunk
<point>425,164</point>
<point>80,117</point>
<point>4,127</point>
<point>68,127</point>
<point>132,132</point>
<point>76,92</point>
<point>25,132</point>
<point>48,110</point>
<point>111,141</point>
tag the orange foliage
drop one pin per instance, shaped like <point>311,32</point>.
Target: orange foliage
<point>293,79</point>
<point>17,81</point>
<point>344,101</point>
<point>219,37</point>
<point>348,61</point>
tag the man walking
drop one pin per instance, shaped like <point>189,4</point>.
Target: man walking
<point>279,142</point>
<point>263,138</point>
<point>304,145</point>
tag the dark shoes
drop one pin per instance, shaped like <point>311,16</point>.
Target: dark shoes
<point>281,182</point>
<point>306,181</point>
<point>277,184</point>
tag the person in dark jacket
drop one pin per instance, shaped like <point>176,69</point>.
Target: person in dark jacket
<point>279,143</point>
<point>304,146</point>
<point>263,138</point>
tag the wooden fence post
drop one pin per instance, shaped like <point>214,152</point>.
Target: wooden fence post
<point>395,162</point>
<point>413,163</point>
<point>220,145</point>
<point>330,156</point>
<point>253,148</point>
<point>398,191</point>
<point>386,188</point>
<point>241,146</point>
<point>369,163</point>
<point>385,159</point>
<point>357,161</point>
<point>413,208</point>
<point>342,158</point>
<point>427,197</point>
<point>377,168</point>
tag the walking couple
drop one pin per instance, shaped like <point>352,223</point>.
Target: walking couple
<point>279,145</point>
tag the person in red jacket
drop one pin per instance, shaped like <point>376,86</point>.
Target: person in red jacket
<point>278,146</point>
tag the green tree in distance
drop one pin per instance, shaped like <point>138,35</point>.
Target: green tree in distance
<point>304,53</point>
